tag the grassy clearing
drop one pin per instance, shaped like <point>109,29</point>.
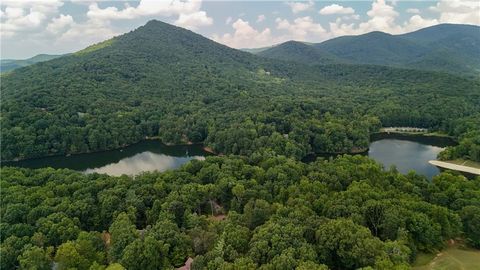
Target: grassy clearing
<point>97,46</point>
<point>452,258</point>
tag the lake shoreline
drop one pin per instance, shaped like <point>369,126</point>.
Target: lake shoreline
<point>212,151</point>
<point>104,151</point>
<point>414,134</point>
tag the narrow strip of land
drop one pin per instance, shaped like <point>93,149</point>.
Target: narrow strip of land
<point>455,167</point>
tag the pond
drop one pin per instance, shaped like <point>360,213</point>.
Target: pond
<point>406,153</point>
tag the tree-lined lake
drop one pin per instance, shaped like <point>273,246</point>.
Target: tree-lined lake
<point>405,152</point>
<point>147,155</point>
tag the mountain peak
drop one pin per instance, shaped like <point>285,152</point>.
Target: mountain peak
<point>298,51</point>
<point>378,34</point>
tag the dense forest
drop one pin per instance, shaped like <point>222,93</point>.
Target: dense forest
<point>265,211</point>
<point>167,82</point>
<point>467,130</point>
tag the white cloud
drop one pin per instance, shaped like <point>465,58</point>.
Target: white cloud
<point>336,9</point>
<point>98,27</point>
<point>302,27</point>
<point>382,18</point>
<point>91,32</point>
<point>168,8</point>
<point>26,17</point>
<point>261,18</point>
<point>145,8</point>
<point>193,20</point>
<point>417,22</point>
<point>458,11</point>
<point>60,24</point>
<point>297,7</point>
<point>413,11</point>
<point>245,36</point>
<point>228,20</point>
<point>43,6</point>
<point>111,13</point>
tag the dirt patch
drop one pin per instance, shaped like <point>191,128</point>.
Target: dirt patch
<point>188,264</point>
<point>218,217</point>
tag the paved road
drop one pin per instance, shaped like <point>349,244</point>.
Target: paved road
<point>455,167</point>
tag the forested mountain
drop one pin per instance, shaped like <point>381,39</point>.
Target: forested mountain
<point>301,52</point>
<point>165,81</point>
<point>452,48</point>
<point>257,207</point>
<point>11,64</point>
<point>373,48</point>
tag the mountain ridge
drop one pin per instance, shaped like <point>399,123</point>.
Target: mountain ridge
<point>453,48</point>
<point>11,64</point>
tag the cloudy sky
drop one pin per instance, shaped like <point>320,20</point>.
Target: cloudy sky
<point>30,27</point>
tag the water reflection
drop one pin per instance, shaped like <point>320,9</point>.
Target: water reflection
<point>405,155</point>
<point>144,156</point>
<point>146,161</point>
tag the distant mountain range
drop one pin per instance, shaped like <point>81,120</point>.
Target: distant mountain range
<point>11,64</point>
<point>453,48</point>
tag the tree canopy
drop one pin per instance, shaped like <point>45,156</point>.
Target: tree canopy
<point>267,212</point>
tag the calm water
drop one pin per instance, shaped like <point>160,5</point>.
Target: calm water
<point>144,156</point>
<point>406,153</point>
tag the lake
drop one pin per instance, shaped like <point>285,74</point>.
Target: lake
<point>149,155</point>
<point>406,153</point>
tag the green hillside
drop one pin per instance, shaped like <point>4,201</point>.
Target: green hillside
<point>446,47</point>
<point>165,81</point>
<point>373,48</point>
<point>301,52</point>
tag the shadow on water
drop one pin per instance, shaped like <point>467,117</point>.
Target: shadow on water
<point>147,155</point>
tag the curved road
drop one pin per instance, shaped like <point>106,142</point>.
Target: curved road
<point>455,167</point>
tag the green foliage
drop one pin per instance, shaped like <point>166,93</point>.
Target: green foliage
<point>280,213</point>
<point>468,131</point>
<point>35,258</point>
<point>123,233</point>
<point>300,52</point>
<point>345,245</point>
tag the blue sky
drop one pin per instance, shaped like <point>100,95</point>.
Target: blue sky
<point>30,27</point>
